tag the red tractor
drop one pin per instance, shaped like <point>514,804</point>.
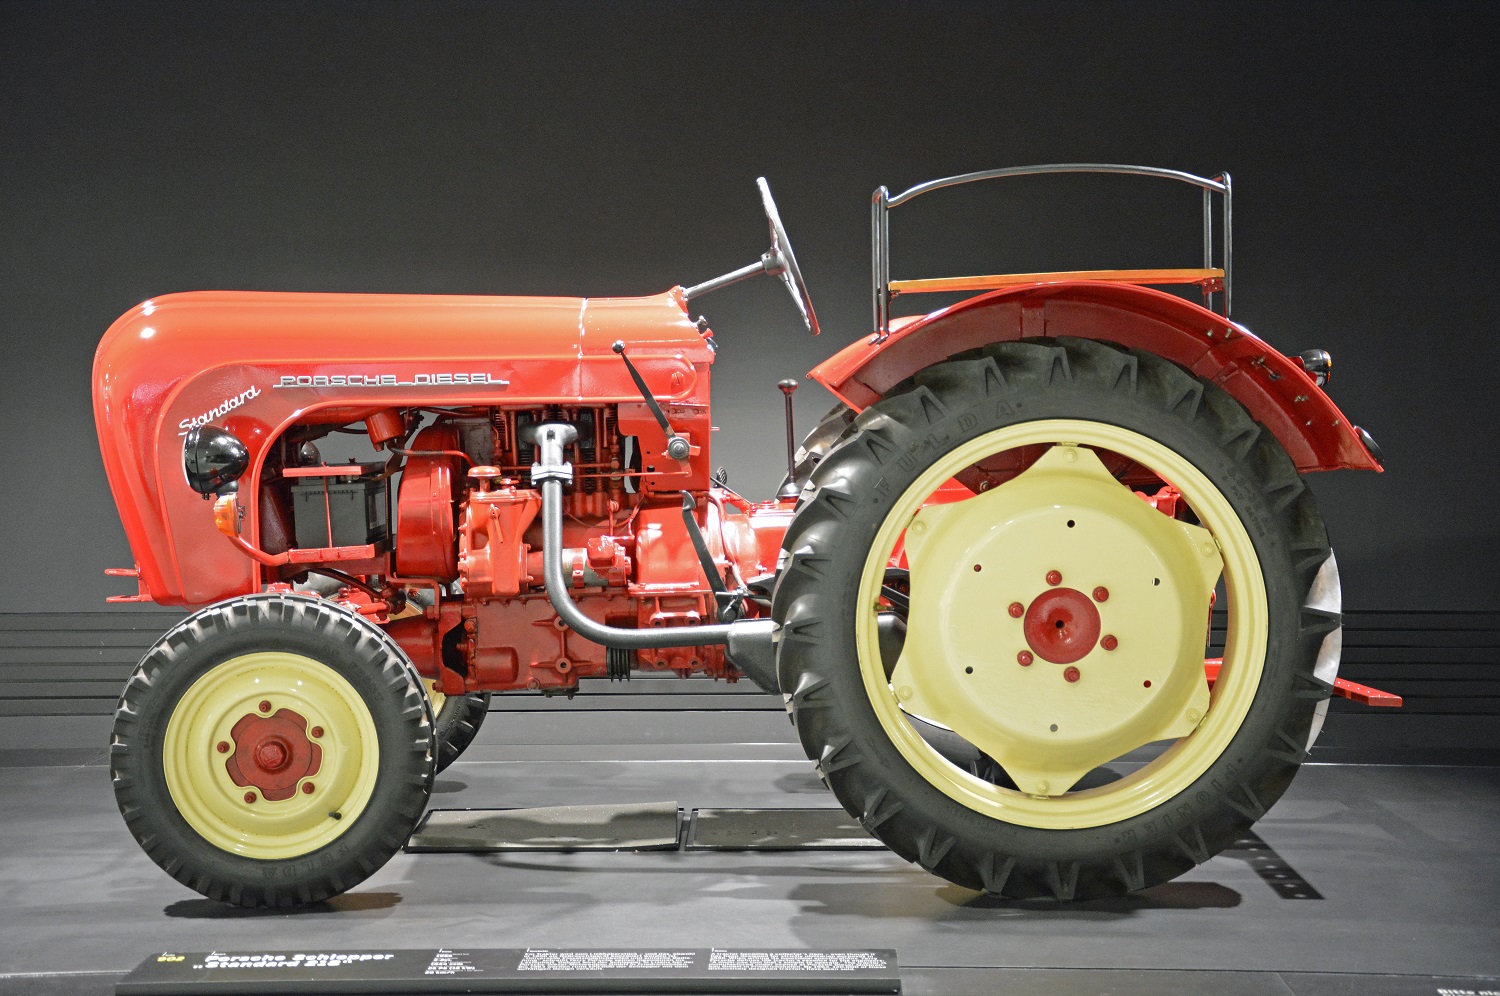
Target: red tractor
<point>1046,595</point>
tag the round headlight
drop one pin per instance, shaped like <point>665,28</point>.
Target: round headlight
<point>213,459</point>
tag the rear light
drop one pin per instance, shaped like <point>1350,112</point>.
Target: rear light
<point>1319,364</point>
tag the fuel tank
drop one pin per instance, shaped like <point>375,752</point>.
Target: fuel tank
<point>256,363</point>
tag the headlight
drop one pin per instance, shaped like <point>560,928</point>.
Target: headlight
<point>213,459</point>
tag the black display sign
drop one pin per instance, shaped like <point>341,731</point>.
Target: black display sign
<point>509,970</point>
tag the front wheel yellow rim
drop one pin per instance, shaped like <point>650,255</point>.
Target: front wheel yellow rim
<point>1201,725</point>
<point>435,696</point>
<point>271,755</point>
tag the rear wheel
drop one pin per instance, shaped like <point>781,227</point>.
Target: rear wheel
<point>975,563</point>
<point>272,750</point>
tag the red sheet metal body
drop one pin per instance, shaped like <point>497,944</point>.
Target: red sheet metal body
<point>257,362</point>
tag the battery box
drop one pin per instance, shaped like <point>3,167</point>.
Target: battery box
<point>339,505</point>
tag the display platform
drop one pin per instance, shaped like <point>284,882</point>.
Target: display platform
<point>1402,865</point>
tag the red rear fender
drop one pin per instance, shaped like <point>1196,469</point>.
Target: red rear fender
<point>1275,389</point>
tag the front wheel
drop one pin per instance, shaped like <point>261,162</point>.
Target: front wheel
<point>272,750</point>
<point>456,720</point>
<point>1020,552</point>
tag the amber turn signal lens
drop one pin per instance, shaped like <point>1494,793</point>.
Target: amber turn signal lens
<point>227,515</point>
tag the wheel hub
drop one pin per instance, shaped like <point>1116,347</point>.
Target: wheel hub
<point>272,754</point>
<point>1129,657</point>
<point>1062,625</point>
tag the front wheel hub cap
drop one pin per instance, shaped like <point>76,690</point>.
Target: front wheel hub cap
<point>272,754</point>
<point>1065,515</point>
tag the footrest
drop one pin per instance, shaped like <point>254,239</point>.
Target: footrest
<point>641,826</point>
<point>776,830</point>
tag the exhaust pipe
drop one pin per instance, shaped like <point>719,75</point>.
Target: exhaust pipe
<point>750,644</point>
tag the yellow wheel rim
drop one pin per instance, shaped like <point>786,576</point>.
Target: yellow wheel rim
<point>929,680</point>
<point>200,751</point>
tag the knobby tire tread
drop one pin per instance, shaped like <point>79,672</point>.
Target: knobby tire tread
<point>839,513</point>
<point>244,625</point>
<point>457,724</point>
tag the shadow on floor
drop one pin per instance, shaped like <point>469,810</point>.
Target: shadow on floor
<point>1169,896</point>
<point>349,902</point>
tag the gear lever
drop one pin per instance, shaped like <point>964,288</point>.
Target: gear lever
<point>678,447</point>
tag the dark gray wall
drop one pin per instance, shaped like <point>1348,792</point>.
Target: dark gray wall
<point>597,149</point>
<point>61,675</point>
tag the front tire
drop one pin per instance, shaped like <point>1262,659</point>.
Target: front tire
<point>1038,434</point>
<point>272,750</point>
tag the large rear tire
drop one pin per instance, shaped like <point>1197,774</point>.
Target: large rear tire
<point>272,750</point>
<point>1105,657</point>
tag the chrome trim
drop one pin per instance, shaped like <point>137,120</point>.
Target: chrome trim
<point>763,265</point>
<point>993,174</point>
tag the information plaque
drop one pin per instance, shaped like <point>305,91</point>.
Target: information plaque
<point>766,971</point>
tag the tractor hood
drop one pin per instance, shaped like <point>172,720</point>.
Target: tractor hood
<point>255,362</point>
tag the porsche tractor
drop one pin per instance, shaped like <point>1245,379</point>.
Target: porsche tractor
<point>1046,594</point>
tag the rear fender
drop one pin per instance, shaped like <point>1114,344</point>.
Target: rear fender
<point>1275,389</point>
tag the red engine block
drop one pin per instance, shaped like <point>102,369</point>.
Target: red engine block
<point>467,520</point>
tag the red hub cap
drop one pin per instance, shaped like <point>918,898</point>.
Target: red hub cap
<point>272,754</point>
<point>1062,625</point>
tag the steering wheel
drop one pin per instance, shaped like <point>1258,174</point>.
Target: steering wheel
<point>780,261</point>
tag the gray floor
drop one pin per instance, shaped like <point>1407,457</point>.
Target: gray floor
<point>1407,860</point>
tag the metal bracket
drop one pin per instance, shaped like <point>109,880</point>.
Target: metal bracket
<point>551,465</point>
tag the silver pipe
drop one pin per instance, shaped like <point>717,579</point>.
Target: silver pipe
<point>1228,249</point>
<point>1208,241</point>
<point>719,283</point>
<point>885,262</point>
<point>1208,229</point>
<point>880,263</point>
<point>990,174</point>
<point>591,629</point>
<point>875,283</point>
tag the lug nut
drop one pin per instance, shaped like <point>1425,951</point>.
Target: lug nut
<point>316,731</point>
<point>249,796</point>
<point>1101,594</point>
<point>307,788</point>
<point>265,706</point>
<point>1109,642</point>
<point>1054,578</point>
<point>222,747</point>
<point>1017,610</point>
<point>1072,674</point>
<point>1024,658</point>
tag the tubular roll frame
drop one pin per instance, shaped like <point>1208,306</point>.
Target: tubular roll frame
<point>882,202</point>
